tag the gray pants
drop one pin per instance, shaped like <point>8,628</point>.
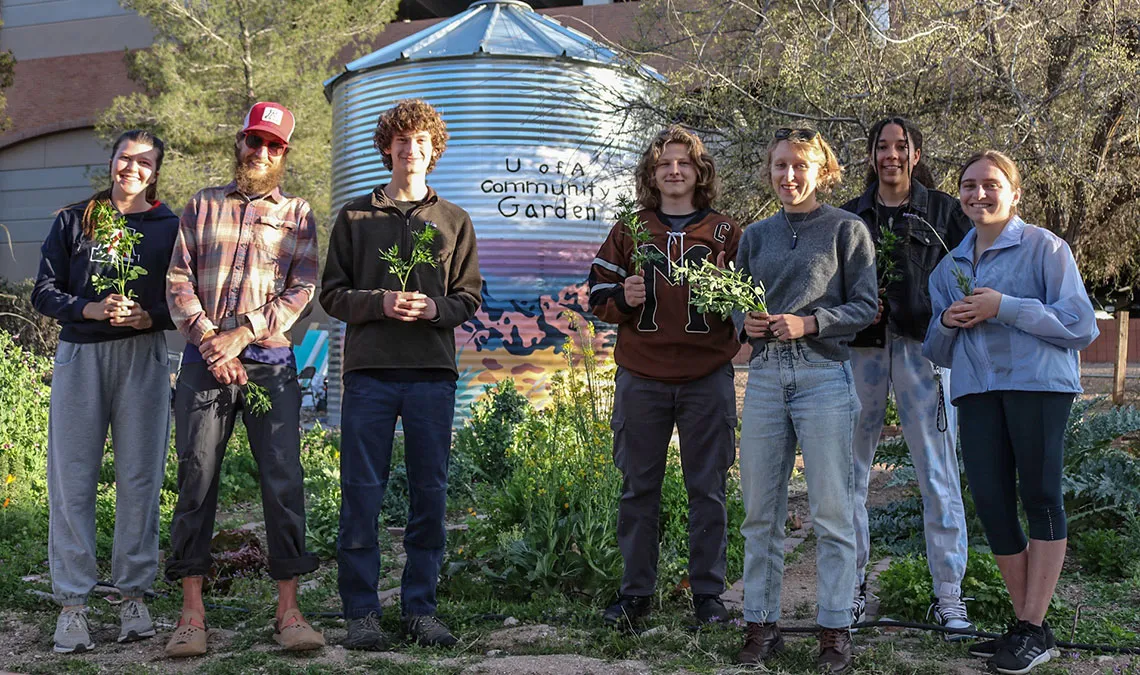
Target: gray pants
<point>124,384</point>
<point>205,412</point>
<point>645,412</point>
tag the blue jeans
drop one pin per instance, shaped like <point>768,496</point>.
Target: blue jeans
<point>900,365</point>
<point>794,395</point>
<point>369,414</point>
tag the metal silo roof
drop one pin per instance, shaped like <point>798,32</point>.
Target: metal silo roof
<point>509,28</point>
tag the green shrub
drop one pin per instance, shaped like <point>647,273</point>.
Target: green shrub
<point>897,527</point>
<point>24,404</point>
<point>905,590</point>
<point>31,330</point>
<point>1101,481</point>
<point>551,527</point>
<point>1109,553</point>
<point>320,459</point>
<point>489,433</point>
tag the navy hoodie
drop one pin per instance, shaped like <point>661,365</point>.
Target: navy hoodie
<point>63,285</point>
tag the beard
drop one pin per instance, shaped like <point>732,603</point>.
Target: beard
<point>253,181</point>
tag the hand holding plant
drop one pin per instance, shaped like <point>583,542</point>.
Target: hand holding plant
<point>421,255</point>
<point>117,241</point>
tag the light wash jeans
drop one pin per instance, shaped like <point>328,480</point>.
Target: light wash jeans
<point>796,395</point>
<point>900,364</point>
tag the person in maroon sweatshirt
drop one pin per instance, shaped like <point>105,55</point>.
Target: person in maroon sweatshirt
<point>674,368</point>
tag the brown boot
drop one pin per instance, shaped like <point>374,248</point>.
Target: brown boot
<point>761,641</point>
<point>834,650</point>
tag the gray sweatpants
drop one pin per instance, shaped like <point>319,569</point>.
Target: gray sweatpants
<point>704,412</point>
<point>124,384</point>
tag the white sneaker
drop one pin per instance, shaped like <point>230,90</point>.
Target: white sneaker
<point>951,613</point>
<point>134,621</point>
<point>72,634</point>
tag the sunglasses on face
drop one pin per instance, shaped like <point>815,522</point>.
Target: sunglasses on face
<point>254,142</point>
<point>786,133</point>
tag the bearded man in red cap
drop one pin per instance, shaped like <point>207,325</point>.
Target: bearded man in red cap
<point>244,267</point>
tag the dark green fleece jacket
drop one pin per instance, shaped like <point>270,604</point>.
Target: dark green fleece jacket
<point>355,278</point>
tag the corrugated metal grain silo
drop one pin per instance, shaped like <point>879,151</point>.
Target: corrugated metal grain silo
<point>540,148</point>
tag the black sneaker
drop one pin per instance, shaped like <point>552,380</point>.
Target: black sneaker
<point>428,631</point>
<point>709,609</point>
<point>627,611</point>
<point>1025,650</point>
<point>988,648</point>
<point>364,633</point>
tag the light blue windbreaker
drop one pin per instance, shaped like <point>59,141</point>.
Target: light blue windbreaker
<point>1045,316</point>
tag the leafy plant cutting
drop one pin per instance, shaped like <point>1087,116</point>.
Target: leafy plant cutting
<point>118,241</point>
<point>421,255</point>
<point>885,263</point>
<point>722,291</point>
<point>257,398</point>
<point>639,233</point>
<point>965,283</point>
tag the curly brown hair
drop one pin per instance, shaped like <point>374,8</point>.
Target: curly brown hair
<point>816,150</point>
<point>410,114</point>
<point>708,187</point>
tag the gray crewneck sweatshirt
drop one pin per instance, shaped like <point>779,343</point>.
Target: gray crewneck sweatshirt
<point>829,274</point>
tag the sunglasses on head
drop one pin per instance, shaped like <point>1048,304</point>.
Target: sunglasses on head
<point>786,133</point>
<point>254,142</point>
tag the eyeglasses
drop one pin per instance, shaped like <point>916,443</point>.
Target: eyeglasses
<point>276,148</point>
<point>786,133</point>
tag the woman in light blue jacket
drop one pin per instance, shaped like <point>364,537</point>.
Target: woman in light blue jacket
<point>1010,315</point>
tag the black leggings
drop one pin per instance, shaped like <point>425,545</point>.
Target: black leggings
<point>1004,432</point>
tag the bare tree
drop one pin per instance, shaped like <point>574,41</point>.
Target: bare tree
<point>1054,83</point>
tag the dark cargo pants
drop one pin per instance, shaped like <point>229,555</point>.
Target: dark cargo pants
<point>204,416</point>
<point>704,412</point>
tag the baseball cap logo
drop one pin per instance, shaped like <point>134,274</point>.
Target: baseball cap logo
<point>271,115</point>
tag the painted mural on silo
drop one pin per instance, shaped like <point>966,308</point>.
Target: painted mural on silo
<point>540,149</point>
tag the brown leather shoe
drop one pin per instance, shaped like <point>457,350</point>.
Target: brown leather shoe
<point>761,641</point>
<point>834,650</point>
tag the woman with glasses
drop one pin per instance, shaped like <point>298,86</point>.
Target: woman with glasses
<point>913,227</point>
<point>817,263</point>
<point>110,371</point>
<point>1010,315</point>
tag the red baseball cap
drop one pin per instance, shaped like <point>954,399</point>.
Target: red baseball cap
<point>272,118</point>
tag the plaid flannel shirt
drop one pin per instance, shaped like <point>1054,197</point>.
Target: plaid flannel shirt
<point>240,261</point>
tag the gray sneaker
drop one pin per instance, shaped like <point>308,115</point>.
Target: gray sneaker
<point>134,621</point>
<point>71,631</point>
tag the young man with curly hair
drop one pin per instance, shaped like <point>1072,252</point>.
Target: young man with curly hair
<point>674,368</point>
<point>399,363</point>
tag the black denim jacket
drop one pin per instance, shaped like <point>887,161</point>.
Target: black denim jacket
<point>906,307</point>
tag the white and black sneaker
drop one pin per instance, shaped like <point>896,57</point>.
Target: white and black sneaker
<point>950,612</point>
<point>859,605</point>
<point>1026,649</point>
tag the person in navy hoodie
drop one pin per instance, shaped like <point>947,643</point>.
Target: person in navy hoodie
<point>110,371</point>
<point>1010,315</point>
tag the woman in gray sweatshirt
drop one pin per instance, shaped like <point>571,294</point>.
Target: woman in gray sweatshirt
<point>818,265</point>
